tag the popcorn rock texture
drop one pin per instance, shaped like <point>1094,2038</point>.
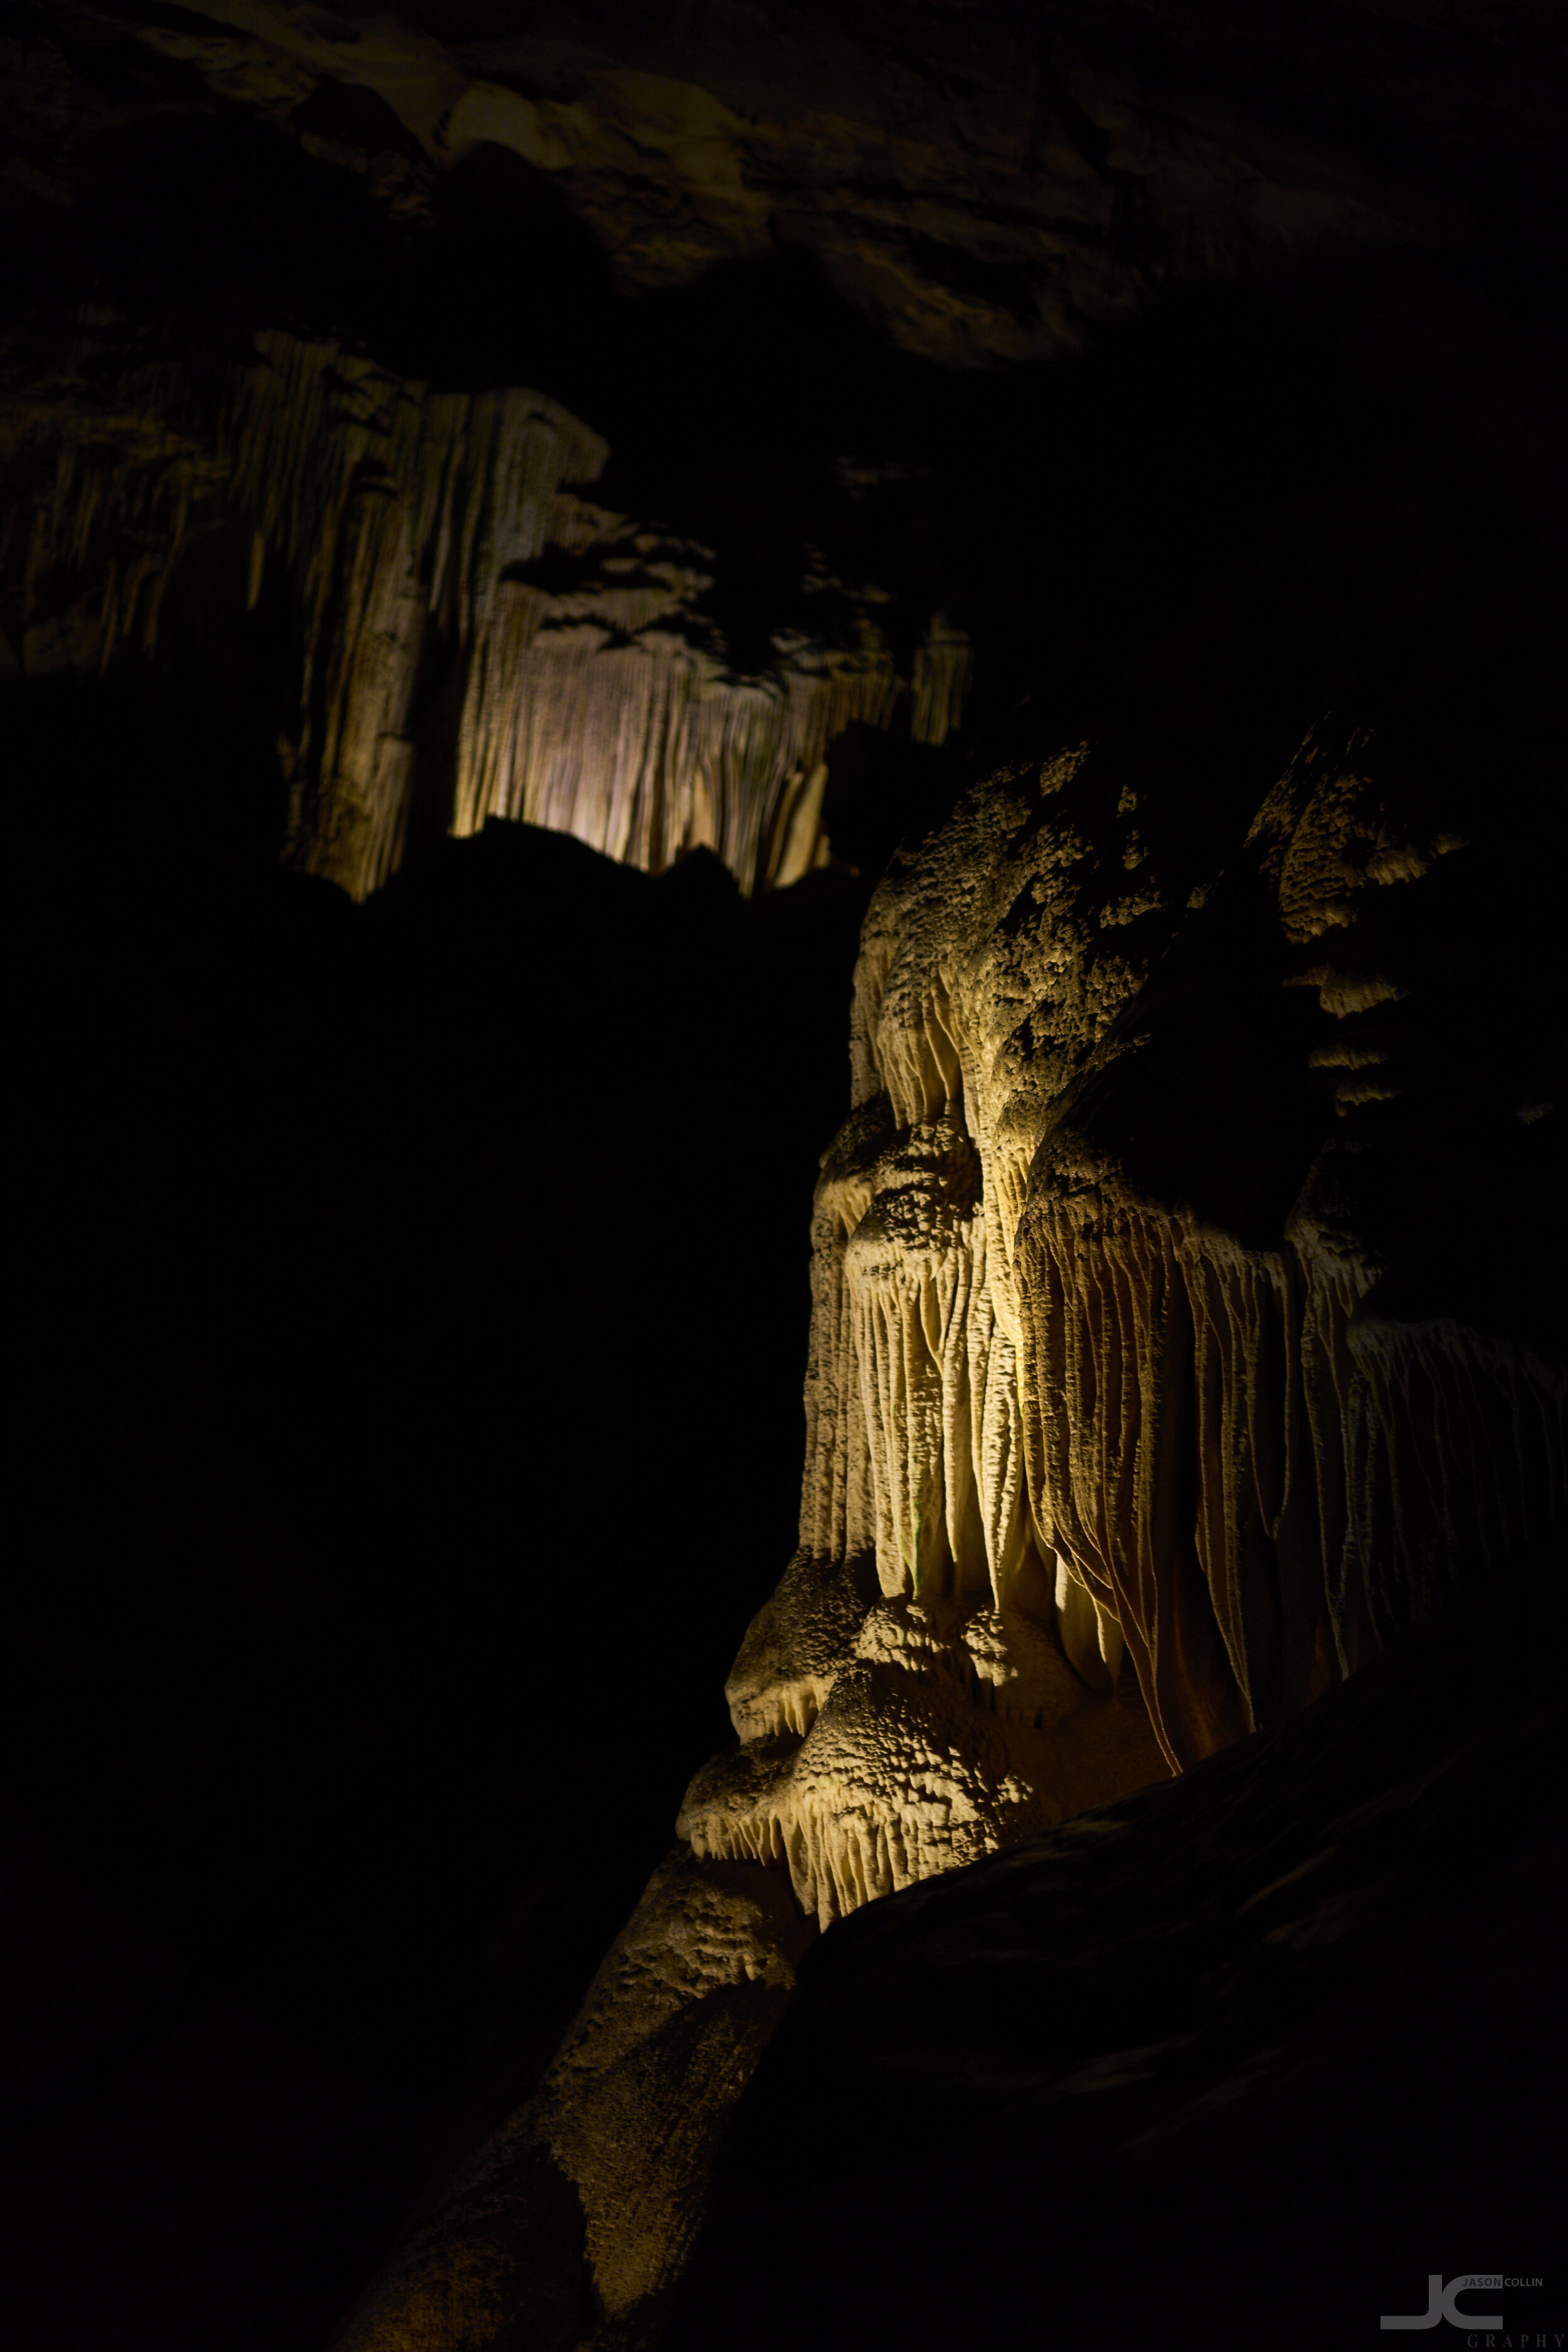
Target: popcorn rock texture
<point>1108,1361</point>
<point>579,2213</point>
<point>1184,1323</point>
<point>1297,1946</point>
<point>1151,1395</point>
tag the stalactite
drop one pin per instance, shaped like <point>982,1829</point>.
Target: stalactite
<point>412,525</point>
<point>940,680</point>
<point>944,1735</point>
<point>1059,1416</point>
<point>1456,1446</point>
<point>1170,1452</point>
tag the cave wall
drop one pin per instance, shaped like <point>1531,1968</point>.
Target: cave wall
<point>1119,1344</point>
<point>875,447</point>
<point>746,433</point>
<point>985,182</point>
<point>466,636</point>
<point>1237,2055</point>
<point>1173,1360</point>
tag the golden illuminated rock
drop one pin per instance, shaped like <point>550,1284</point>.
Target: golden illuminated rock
<point>574,2219</point>
<point>1174,1345</point>
<point>1103,1470</point>
<point>1069,1401</point>
<point>982,195</point>
<point>476,636</point>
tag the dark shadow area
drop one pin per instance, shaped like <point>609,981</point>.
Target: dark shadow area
<point>413,1297</point>
<point>1227,509</point>
<point>414,1310</point>
<point>1207,1093</point>
<point>1240,498</point>
<point>1241,2060</point>
<point>234,223</point>
<point>504,285</point>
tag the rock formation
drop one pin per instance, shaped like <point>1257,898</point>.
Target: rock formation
<point>1134,1423</point>
<point>968,401</point>
<point>575,2219</point>
<point>988,191</point>
<point>471,637</point>
<point>1069,1394</point>
<point>1205,2066</point>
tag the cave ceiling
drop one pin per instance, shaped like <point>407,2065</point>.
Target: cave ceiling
<point>1078,486</point>
<point>915,365</point>
<point>983,181</point>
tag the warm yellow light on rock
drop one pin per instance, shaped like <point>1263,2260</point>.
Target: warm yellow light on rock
<point>445,559</point>
<point>1104,1470</point>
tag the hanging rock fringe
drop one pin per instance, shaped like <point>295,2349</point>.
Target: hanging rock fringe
<point>434,663</point>
<point>1056,1423</point>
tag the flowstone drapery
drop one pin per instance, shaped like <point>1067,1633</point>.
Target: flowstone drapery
<point>473,637</point>
<point>1120,1464</point>
<point>1161,1374</point>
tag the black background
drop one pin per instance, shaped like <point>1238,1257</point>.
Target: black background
<point>413,1298</point>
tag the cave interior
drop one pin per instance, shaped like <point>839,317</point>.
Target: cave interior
<point>412,1264</point>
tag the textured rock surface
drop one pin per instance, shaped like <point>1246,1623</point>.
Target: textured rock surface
<point>1106,1356</point>
<point>807,282</point>
<point>1239,2060</point>
<point>984,181</point>
<point>574,2221</point>
<point>1185,1328</point>
<point>469,636</point>
<point>1150,1397</point>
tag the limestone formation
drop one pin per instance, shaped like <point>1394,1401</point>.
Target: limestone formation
<point>1122,1440</point>
<point>1004,178</point>
<point>473,637</point>
<point>1318,1957</point>
<point>577,2216</point>
<point>1070,1403</point>
<point>1179,1339</point>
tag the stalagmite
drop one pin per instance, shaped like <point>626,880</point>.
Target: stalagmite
<point>1068,1401</point>
<point>475,635</point>
<point>603,2173</point>
<point>1135,1418</point>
